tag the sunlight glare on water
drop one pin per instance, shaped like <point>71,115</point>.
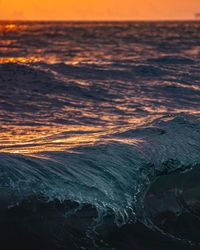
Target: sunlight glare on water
<point>66,85</point>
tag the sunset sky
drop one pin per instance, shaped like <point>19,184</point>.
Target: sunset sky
<point>98,9</point>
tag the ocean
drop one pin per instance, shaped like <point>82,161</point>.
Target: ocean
<point>100,135</point>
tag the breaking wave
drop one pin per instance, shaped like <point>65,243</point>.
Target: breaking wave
<point>118,182</point>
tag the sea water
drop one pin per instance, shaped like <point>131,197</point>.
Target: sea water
<point>100,135</point>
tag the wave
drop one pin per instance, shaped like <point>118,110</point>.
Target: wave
<point>135,90</point>
<point>181,60</point>
<point>147,175</point>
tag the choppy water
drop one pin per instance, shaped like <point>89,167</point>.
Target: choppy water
<point>100,135</point>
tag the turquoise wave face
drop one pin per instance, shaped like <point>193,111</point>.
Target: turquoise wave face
<point>105,187</point>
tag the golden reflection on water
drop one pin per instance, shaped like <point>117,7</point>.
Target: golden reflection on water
<point>12,46</point>
<point>18,59</point>
<point>79,60</point>
<point>6,49</point>
<point>9,27</point>
<point>89,59</point>
<point>55,138</point>
<point>7,42</point>
<point>37,139</point>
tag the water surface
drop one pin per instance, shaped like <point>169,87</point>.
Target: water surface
<point>97,122</point>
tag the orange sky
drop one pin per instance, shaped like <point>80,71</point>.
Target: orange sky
<point>98,9</point>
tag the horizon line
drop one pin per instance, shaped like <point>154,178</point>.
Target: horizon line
<point>98,20</point>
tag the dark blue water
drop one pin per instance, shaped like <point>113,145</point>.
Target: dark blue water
<point>100,136</point>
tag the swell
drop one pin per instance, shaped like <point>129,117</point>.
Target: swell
<point>60,95</point>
